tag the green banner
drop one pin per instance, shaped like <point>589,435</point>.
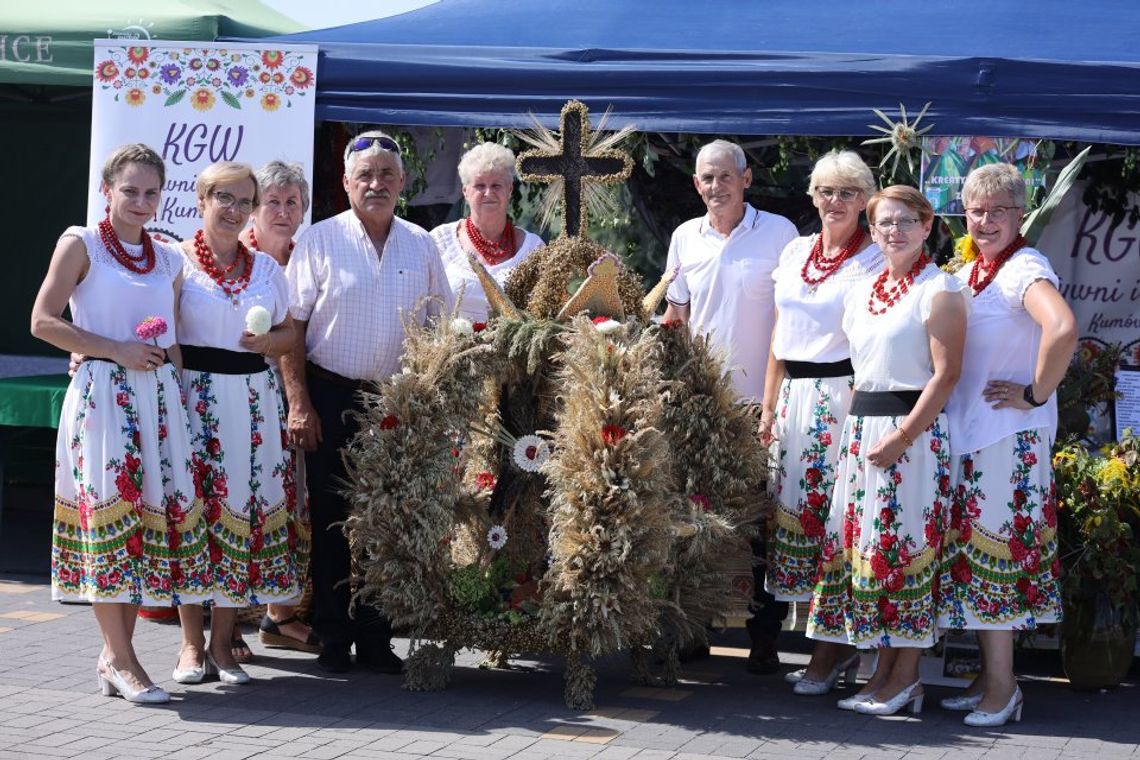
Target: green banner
<point>51,43</point>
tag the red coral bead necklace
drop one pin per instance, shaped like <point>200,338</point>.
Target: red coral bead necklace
<point>982,274</point>
<point>888,297</point>
<point>825,267</point>
<point>253,241</point>
<point>492,251</point>
<point>140,264</point>
<point>209,265</point>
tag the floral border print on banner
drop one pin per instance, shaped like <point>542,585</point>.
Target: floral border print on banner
<point>205,78</point>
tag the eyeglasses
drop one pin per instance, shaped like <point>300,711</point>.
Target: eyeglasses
<point>366,142</point>
<point>997,213</point>
<point>903,225</point>
<point>229,200</point>
<point>845,194</point>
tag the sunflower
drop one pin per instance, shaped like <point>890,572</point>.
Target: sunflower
<point>135,97</point>
<point>270,102</point>
<point>202,100</point>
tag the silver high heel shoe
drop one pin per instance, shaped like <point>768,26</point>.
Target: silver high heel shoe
<point>849,668</point>
<point>983,719</point>
<point>966,702</point>
<point>225,675</point>
<point>112,682</point>
<point>850,703</point>
<point>895,703</point>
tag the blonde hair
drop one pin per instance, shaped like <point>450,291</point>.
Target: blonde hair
<point>994,180</point>
<point>906,195</point>
<point>842,168</point>
<point>132,153</point>
<point>224,172</point>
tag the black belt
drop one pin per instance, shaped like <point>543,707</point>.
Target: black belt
<point>341,381</point>
<point>222,361</point>
<point>165,360</point>
<point>796,370</point>
<point>883,403</point>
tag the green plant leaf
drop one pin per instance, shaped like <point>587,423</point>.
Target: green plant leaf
<point>230,100</point>
<point>1036,222</point>
<point>175,96</point>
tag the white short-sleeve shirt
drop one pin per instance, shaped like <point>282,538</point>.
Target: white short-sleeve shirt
<point>727,284</point>
<point>354,300</point>
<point>1002,342</point>
<point>460,275</point>
<point>891,351</point>
<point>810,323</point>
<point>206,315</point>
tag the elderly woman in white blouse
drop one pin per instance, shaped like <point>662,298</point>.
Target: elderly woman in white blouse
<point>487,172</point>
<point>807,391</point>
<point>1000,570</point>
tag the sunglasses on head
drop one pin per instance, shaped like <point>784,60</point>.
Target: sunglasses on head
<point>383,141</point>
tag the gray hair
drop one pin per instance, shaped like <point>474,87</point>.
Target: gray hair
<point>842,168</point>
<point>723,148</point>
<point>351,155</point>
<point>486,158</point>
<point>994,180</point>
<point>284,174</point>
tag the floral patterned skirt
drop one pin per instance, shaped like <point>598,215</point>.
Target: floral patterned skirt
<point>809,416</point>
<point>258,545</point>
<point>127,524</point>
<point>882,545</point>
<point>1000,567</point>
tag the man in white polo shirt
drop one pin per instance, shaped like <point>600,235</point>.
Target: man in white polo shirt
<point>352,280</point>
<point>724,289</point>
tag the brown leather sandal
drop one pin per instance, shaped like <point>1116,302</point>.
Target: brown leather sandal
<point>269,633</point>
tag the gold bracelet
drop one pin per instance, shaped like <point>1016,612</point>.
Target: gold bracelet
<point>907,438</point>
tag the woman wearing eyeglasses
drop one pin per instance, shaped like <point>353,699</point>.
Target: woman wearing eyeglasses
<point>807,391</point>
<point>1000,566</point>
<point>123,486</point>
<point>488,173</point>
<point>237,418</point>
<point>906,329</point>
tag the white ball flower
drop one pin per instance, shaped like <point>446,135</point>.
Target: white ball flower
<point>463,327</point>
<point>258,320</point>
<point>608,326</point>
<point>497,537</point>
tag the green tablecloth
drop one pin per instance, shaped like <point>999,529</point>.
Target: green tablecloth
<point>32,401</point>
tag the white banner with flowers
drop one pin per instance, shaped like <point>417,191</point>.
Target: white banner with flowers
<point>197,103</point>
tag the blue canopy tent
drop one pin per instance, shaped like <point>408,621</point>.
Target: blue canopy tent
<point>1050,69</point>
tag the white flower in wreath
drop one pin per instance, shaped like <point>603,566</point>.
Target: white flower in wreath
<point>530,453</point>
<point>607,326</point>
<point>497,537</point>
<point>463,327</point>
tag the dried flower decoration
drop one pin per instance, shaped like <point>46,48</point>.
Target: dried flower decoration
<point>530,452</point>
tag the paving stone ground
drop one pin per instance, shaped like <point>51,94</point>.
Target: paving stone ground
<point>49,707</point>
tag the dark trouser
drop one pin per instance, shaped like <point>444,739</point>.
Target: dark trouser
<point>331,560</point>
<point>767,613</point>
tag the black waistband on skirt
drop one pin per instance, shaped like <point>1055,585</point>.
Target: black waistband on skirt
<point>883,403</point>
<point>222,361</point>
<point>796,370</point>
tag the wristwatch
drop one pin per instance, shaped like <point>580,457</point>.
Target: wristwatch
<point>1028,397</point>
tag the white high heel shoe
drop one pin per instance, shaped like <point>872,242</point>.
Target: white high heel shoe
<point>895,703</point>
<point>226,675</point>
<point>983,719</point>
<point>966,702</point>
<point>112,682</point>
<point>849,668</point>
<point>795,676</point>
<point>192,675</point>
<point>850,703</point>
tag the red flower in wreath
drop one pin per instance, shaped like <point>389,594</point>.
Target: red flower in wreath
<point>612,434</point>
<point>485,481</point>
<point>389,422</point>
<point>701,501</point>
<point>478,326</point>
